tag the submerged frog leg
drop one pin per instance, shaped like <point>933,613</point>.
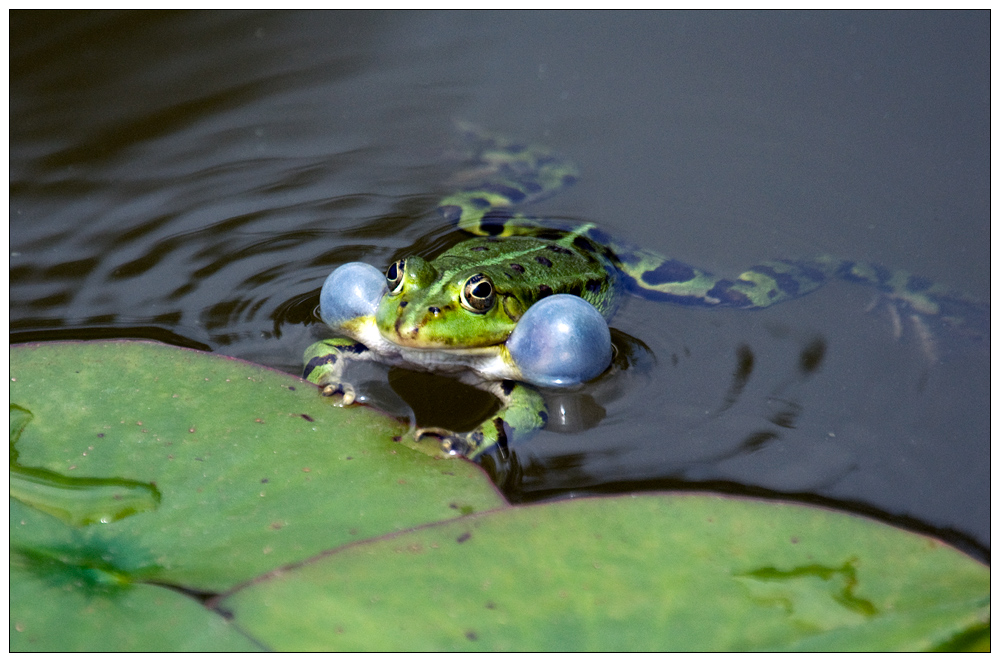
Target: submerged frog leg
<point>768,283</point>
<point>325,361</point>
<point>921,301</point>
<point>521,414</point>
<point>507,174</point>
<point>654,277</point>
<point>917,299</point>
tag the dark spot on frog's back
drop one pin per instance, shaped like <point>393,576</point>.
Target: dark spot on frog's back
<point>480,248</point>
<point>555,248</point>
<point>517,268</point>
<point>594,285</point>
<point>544,291</point>
<point>544,261</point>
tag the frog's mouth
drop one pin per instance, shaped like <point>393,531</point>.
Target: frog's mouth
<point>389,341</point>
<point>490,361</point>
<point>433,334</point>
<point>415,340</point>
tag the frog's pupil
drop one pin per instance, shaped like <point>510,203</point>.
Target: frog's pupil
<point>482,290</point>
<point>394,274</point>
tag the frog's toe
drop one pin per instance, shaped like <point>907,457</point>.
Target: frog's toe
<point>353,290</point>
<point>561,341</point>
<point>451,443</point>
<point>901,320</point>
<point>345,390</point>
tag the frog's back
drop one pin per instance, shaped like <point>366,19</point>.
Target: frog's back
<point>534,267</point>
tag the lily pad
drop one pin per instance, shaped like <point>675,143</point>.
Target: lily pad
<point>60,607</point>
<point>626,573</point>
<point>148,480</point>
<point>251,467</point>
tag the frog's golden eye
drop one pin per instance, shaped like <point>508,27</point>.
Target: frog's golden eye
<point>478,294</point>
<point>394,276</point>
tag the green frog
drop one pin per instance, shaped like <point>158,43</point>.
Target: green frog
<point>525,302</point>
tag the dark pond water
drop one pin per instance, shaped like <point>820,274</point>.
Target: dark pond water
<point>193,178</point>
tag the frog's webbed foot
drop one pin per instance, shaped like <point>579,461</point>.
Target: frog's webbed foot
<point>463,444</point>
<point>902,316</point>
<point>340,388</point>
<point>522,414</point>
<point>324,366</point>
<point>934,322</point>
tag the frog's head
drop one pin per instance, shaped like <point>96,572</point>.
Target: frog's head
<point>427,308</point>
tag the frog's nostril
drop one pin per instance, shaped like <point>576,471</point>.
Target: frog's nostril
<point>434,310</point>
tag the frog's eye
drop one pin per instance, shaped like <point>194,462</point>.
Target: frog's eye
<point>394,276</point>
<point>478,295</point>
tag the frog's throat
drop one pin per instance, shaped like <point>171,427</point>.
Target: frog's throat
<point>492,361</point>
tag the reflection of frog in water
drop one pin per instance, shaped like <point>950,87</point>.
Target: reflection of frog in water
<point>525,303</point>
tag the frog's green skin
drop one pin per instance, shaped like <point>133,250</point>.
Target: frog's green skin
<point>528,259</point>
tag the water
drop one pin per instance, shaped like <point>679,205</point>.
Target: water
<point>193,177</point>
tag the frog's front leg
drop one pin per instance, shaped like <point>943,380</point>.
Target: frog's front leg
<point>522,413</point>
<point>325,362</point>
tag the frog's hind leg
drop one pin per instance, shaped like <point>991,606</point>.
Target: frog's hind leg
<point>654,277</point>
<point>522,413</point>
<point>503,175</point>
<point>918,301</point>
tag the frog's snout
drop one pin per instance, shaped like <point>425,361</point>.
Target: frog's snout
<point>406,331</point>
<point>408,324</point>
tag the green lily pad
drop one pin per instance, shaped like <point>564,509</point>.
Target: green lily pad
<point>251,469</point>
<point>147,479</point>
<point>627,573</point>
<point>59,607</point>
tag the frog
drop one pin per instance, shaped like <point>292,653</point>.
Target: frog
<point>524,304</point>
